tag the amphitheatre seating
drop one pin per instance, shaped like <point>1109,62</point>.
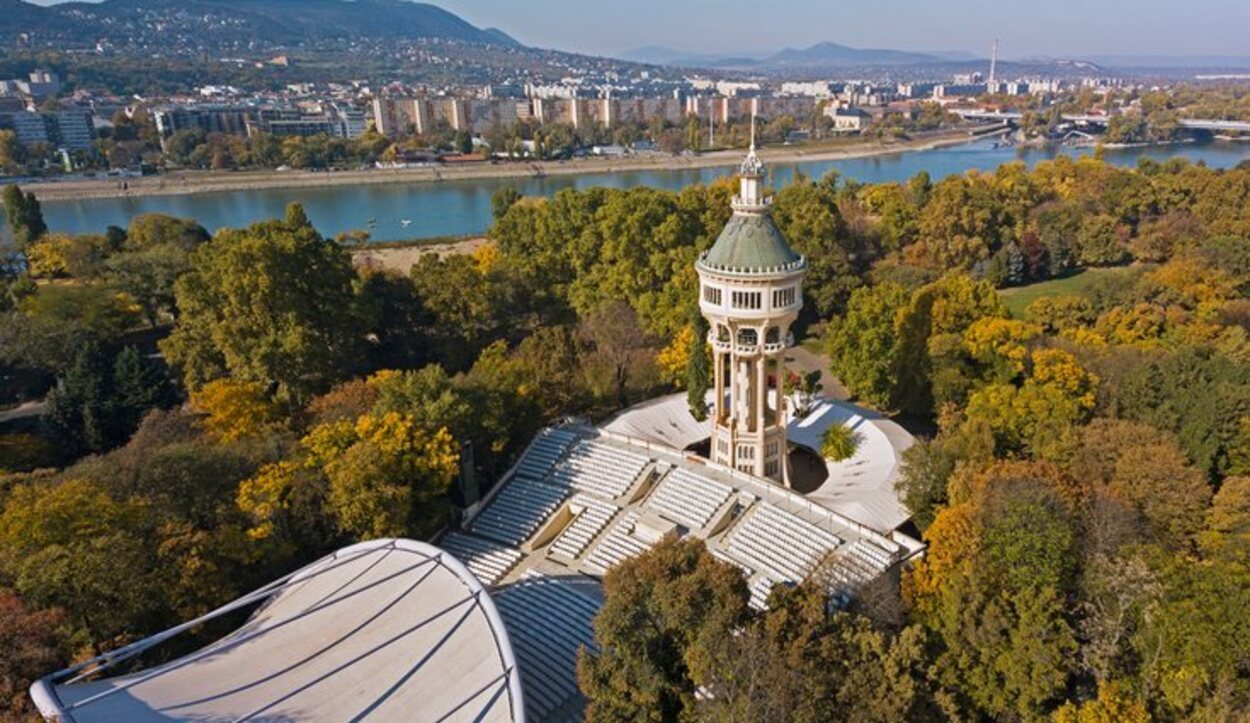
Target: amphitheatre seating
<point>854,565</point>
<point>872,555</point>
<point>548,621</point>
<point>594,516</point>
<point>760,588</point>
<point>599,469</point>
<point>543,453</point>
<point>782,546</point>
<point>617,546</point>
<point>517,511</point>
<point>688,499</point>
<point>723,556</point>
<point>488,561</point>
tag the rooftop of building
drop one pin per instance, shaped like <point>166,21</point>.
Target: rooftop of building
<point>489,624</point>
<point>751,243</point>
<point>377,630</point>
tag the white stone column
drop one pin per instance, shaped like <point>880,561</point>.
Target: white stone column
<point>718,361</point>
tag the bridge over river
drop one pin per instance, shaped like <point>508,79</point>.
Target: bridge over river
<point>1201,124</point>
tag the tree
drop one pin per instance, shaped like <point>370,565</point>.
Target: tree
<point>1196,639</point>
<point>992,590</point>
<point>296,217</point>
<point>807,214</point>
<point>1059,313</point>
<point>864,345</point>
<point>55,321</point>
<point>935,320</point>
<point>61,255</point>
<point>1227,532</point>
<point>235,410</point>
<point>148,276</point>
<point>800,661</point>
<point>149,259</point>
<point>502,200</point>
<point>547,365</point>
<point>24,214</point>
<point>137,385</point>
<point>463,323</point>
<point>697,371</point>
<point>1145,468</point>
<point>78,410</point>
<point>927,466</point>
<point>11,153</point>
<point>272,304</point>
<point>620,356</point>
<point>71,544</point>
<point>839,443</point>
<point>960,225</point>
<point>383,474</point>
<point>98,403</point>
<point>1115,704</point>
<point>805,388</point>
<point>32,648</point>
<point>667,619</point>
<point>1101,241</point>
<point>150,230</point>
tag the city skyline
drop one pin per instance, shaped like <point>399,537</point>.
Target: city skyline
<point>1064,28</point>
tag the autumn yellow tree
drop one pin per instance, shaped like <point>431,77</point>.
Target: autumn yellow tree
<point>379,475</point>
<point>1115,704</point>
<point>234,409</point>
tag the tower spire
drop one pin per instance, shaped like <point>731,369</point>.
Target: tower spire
<point>752,127</point>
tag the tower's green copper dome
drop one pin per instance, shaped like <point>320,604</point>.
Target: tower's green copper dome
<point>750,242</point>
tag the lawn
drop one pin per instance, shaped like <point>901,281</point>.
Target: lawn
<point>1018,297</point>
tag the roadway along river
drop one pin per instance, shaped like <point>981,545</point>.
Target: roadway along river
<point>463,207</point>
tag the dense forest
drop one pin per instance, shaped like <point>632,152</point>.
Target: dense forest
<point>219,410</point>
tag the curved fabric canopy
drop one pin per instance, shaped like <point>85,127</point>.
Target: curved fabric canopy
<point>383,630</point>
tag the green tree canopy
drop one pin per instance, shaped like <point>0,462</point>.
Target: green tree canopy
<point>272,304</point>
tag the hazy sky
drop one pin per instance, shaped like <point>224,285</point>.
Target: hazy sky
<point>1049,28</point>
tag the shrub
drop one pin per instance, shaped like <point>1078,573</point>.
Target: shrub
<point>839,443</point>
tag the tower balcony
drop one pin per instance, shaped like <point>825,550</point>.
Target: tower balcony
<point>768,347</point>
<point>759,205</point>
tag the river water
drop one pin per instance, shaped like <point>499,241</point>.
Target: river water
<point>463,207</point>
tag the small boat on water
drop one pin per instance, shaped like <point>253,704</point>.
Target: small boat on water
<point>405,222</point>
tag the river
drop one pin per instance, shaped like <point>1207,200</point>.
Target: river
<point>463,207</point>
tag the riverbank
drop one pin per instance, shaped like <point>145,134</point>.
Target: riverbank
<point>402,256</point>
<point>191,182</point>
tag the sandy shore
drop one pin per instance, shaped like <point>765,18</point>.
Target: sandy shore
<point>402,258</point>
<point>215,181</point>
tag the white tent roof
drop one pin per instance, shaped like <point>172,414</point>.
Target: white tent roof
<point>383,630</point>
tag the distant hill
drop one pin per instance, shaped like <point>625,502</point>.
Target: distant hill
<point>820,55</point>
<point>953,56</point>
<point>834,55</point>
<point>239,23</point>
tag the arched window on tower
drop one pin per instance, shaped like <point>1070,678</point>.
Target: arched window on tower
<point>773,335</point>
<point>722,333</point>
<point>748,337</point>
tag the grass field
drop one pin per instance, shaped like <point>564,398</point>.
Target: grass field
<point>1019,297</point>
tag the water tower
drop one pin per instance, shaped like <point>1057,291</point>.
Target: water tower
<point>750,291</point>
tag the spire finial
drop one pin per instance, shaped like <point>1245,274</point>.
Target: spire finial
<point>751,165</point>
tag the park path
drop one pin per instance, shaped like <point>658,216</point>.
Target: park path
<point>801,359</point>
